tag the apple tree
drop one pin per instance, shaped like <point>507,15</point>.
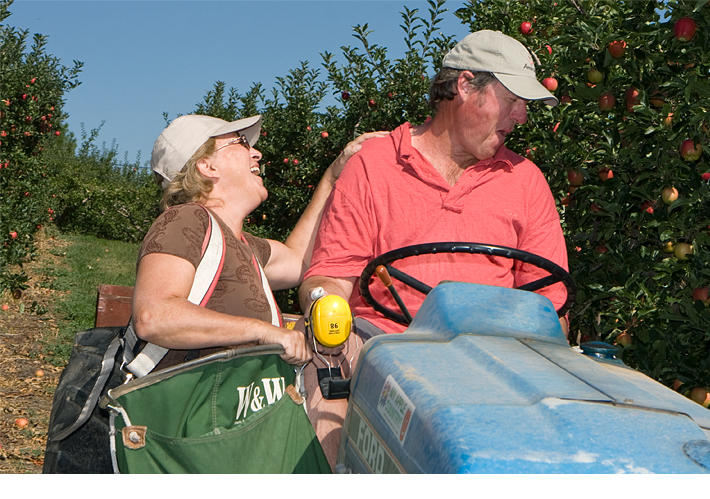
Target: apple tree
<point>32,85</point>
<point>315,111</point>
<point>626,157</point>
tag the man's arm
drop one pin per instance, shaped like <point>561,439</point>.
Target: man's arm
<point>341,286</point>
<point>565,325</point>
<point>290,260</point>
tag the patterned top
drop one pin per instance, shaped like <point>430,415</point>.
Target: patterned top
<point>180,231</point>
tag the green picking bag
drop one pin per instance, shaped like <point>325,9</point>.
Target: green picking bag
<point>232,412</point>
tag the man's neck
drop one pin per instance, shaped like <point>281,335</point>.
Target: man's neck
<point>434,142</point>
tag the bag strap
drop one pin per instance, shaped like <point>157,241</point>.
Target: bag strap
<point>206,277</point>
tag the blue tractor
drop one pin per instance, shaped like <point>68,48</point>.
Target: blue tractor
<point>485,381</point>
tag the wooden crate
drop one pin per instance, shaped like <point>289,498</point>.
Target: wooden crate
<point>113,306</point>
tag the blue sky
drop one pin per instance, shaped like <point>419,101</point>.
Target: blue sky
<point>143,58</point>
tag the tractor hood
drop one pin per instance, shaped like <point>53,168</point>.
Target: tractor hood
<point>485,381</point>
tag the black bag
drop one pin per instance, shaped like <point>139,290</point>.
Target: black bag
<point>78,438</point>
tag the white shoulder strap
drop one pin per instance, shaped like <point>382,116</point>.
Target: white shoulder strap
<point>206,277</point>
<point>275,314</point>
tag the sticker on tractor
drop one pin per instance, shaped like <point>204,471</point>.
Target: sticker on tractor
<point>396,408</point>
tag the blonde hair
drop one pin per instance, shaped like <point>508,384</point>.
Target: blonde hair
<point>189,186</point>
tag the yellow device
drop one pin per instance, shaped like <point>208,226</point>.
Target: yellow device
<point>330,320</point>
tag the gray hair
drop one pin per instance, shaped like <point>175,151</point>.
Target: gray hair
<point>443,86</point>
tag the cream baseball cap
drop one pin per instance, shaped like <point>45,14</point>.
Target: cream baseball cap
<point>509,60</point>
<point>186,134</point>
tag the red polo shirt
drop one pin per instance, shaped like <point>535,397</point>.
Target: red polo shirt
<point>390,196</point>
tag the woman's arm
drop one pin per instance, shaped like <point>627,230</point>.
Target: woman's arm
<point>290,260</point>
<point>163,315</point>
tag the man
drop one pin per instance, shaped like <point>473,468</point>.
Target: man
<point>450,179</point>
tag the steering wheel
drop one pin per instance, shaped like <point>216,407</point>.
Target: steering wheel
<point>557,273</point>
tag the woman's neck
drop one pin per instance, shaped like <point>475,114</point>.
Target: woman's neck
<point>231,216</point>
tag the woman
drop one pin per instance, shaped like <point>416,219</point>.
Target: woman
<point>210,164</point>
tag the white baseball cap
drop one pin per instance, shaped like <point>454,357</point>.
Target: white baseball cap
<point>509,60</point>
<point>186,134</point>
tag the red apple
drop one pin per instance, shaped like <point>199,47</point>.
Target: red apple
<point>684,29</point>
<point>633,97</point>
<point>668,120</point>
<point>658,99</point>
<point>566,99</point>
<point>690,151</point>
<point>525,28</point>
<point>295,161</point>
<point>617,49</point>
<point>648,207</point>
<point>624,339</point>
<point>677,384</point>
<point>669,194</point>
<point>324,135</point>
<point>13,234</point>
<point>700,396</point>
<point>285,161</point>
<point>575,178</point>
<point>39,373</point>
<point>33,80</point>
<point>549,49</point>
<point>550,84</point>
<point>705,176</point>
<point>605,174</point>
<point>682,250</point>
<point>601,249</point>
<point>607,101</point>
<point>345,95</point>
<point>57,133</point>
<point>21,422</point>
<point>5,307</point>
<point>391,95</point>
<point>371,103</point>
<point>595,76</point>
<point>701,294</point>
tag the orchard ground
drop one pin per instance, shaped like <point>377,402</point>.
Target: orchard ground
<point>27,378</point>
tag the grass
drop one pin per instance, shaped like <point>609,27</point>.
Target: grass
<point>90,261</point>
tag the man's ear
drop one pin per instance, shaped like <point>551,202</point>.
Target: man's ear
<point>464,87</point>
<point>207,168</point>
